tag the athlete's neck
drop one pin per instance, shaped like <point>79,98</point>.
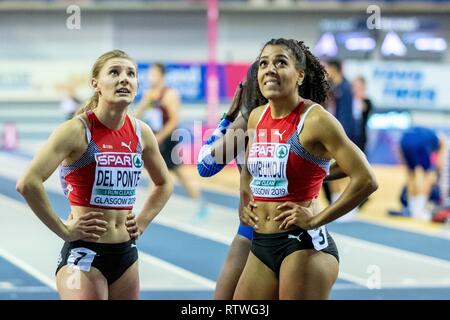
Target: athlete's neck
<point>112,117</point>
<point>280,108</point>
<point>157,88</point>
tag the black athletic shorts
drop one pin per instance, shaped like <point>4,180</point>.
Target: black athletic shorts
<point>272,248</point>
<point>111,259</point>
<point>169,152</point>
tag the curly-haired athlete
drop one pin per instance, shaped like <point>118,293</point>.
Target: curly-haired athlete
<point>220,149</point>
<point>292,141</point>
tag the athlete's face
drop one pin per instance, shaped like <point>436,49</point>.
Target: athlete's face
<point>277,73</point>
<point>117,81</point>
<point>358,88</point>
<point>332,72</point>
<point>156,77</point>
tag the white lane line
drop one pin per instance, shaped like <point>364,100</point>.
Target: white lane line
<point>197,231</point>
<point>421,258</point>
<point>28,289</point>
<point>352,278</point>
<point>145,257</point>
<point>361,283</point>
<point>28,269</point>
<point>348,286</point>
<point>442,233</point>
<point>15,204</point>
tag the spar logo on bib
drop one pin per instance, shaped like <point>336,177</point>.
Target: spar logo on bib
<point>137,161</point>
<point>282,151</point>
<point>268,150</point>
<point>262,150</point>
<point>115,160</point>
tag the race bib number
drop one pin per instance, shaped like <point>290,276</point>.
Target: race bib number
<point>267,164</point>
<point>81,259</point>
<point>319,237</point>
<point>116,179</point>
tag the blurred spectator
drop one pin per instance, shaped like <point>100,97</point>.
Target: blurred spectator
<point>417,145</point>
<point>70,103</point>
<point>341,105</point>
<point>160,109</point>
<point>342,97</point>
<point>362,107</point>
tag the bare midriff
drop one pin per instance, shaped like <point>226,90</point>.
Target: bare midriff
<point>116,230</point>
<point>267,211</point>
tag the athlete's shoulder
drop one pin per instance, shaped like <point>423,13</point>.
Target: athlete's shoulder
<point>144,128</point>
<point>136,122</point>
<point>256,114</point>
<point>76,125</point>
<point>259,109</point>
<point>316,112</point>
<point>171,94</point>
<point>68,133</point>
<point>330,128</point>
<point>169,90</point>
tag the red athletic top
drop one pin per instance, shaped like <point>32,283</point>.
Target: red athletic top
<point>281,168</point>
<point>107,174</point>
<point>160,106</point>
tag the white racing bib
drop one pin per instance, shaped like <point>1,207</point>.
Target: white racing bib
<point>117,175</point>
<point>267,164</point>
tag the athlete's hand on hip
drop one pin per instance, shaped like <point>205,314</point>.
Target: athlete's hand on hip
<point>247,216</point>
<point>132,226</point>
<point>295,215</point>
<point>89,226</point>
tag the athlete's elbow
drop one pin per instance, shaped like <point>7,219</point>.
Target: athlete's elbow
<point>370,183</point>
<point>20,185</point>
<point>24,184</point>
<point>169,186</point>
<point>164,184</point>
<point>165,189</point>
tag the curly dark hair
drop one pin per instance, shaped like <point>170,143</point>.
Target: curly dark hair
<point>251,95</point>
<point>315,85</point>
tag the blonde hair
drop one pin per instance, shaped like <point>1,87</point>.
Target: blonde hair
<point>98,65</point>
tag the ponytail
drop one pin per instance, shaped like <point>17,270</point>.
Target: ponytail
<point>91,104</point>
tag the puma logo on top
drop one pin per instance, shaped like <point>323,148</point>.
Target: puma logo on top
<point>277,133</point>
<point>123,144</point>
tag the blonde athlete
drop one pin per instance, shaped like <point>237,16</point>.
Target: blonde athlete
<point>101,153</point>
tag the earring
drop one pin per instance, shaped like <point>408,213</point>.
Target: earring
<point>299,82</point>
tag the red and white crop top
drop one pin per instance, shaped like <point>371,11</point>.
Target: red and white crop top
<point>108,173</point>
<point>281,168</point>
